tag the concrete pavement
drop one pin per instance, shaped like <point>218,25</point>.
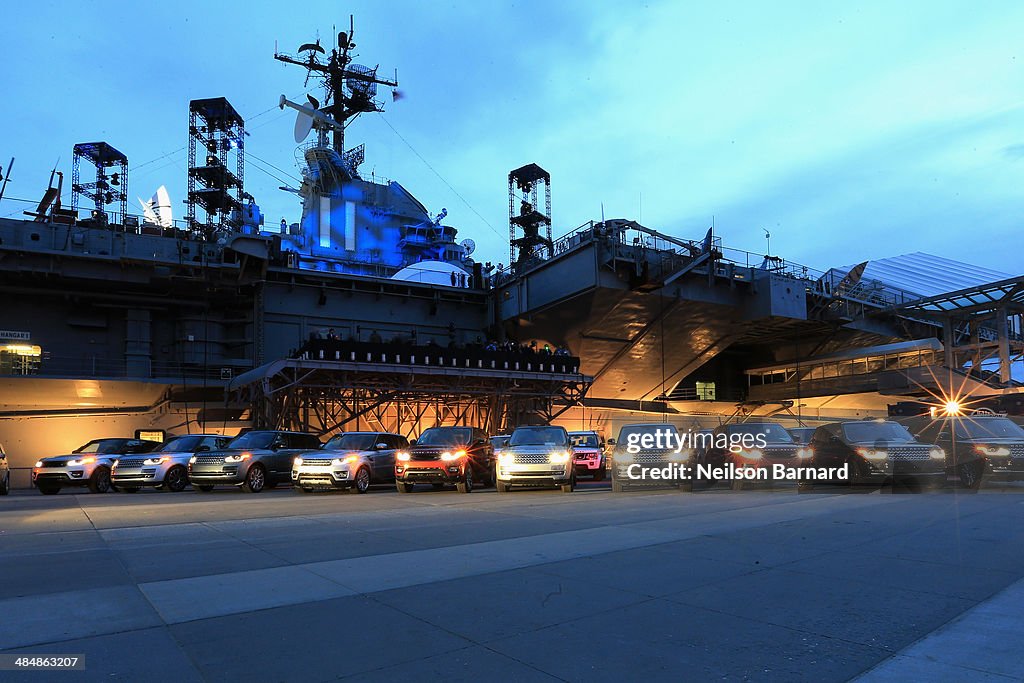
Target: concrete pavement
<point>525,586</point>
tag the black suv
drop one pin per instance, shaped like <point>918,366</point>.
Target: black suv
<point>446,455</point>
<point>976,446</point>
<point>252,461</point>
<point>877,452</point>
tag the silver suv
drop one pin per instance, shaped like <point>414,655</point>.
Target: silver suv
<point>537,456</point>
<point>353,460</point>
<point>166,468</point>
<point>87,465</point>
<point>252,461</point>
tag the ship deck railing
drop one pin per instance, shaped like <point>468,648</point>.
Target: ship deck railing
<point>426,356</point>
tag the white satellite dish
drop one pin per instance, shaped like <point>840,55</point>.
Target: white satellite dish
<point>316,115</point>
<point>469,245</point>
<point>303,124</point>
<point>157,211</point>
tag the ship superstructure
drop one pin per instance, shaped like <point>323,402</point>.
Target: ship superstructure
<point>351,224</point>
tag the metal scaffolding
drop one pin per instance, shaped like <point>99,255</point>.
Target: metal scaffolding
<point>214,125</point>
<point>524,185</point>
<point>108,188</point>
<point>329,396</point>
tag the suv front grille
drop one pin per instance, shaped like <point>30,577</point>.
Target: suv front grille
<point>1017,450</point>
<point>530,458</point>
<point>209,459</point>
<point>317,462</point>
<point>910,453</point>
<point>782,452</point>
<point>54,463</point>
<point>133,462</point>
<point>429,454</point>
<point>651,456</point>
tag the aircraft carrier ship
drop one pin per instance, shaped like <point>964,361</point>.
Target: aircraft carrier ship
<point>370,311</point>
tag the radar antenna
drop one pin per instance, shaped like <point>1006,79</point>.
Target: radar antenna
<point>351,89</point>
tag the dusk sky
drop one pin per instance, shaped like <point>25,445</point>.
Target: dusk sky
<point>849,130</point>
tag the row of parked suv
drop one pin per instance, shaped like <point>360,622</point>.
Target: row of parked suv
<point>459,457</point>
<point>970,449</point>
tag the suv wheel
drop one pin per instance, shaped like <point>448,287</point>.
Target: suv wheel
<point>176,479</point>
<point>255,479</point>
<point>362,480</point>
<point>466,485</point>
<point>568,488</point>
<point>617,486</point>
<point>99,482</point>
<point>599,475</point>
<point>403,487</point>
<point>970,475</point>
<point>501,486</point>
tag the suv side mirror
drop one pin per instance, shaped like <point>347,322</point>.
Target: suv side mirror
<point>611,442</point>
<point>381,446</point>
<point>277,445</point>
<point>412,442</point>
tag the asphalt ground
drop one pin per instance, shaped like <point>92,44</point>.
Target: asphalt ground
<point>531,585</point>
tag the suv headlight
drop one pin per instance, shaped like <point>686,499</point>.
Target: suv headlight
<point>78,462</point>
<point>152,461</point>
<point>937,453</point>
<point>39,463</point>
<point>402,455</point>
<point>192,460</point>
<point>505,458</point>
<point>347,460</point>
<point>680,456</point>
<point>238,458</point>
<point>995,451</point>
<point>751,454</point>
<point>297,461</point>
<point>873,453</point>
<point>558,457</point>
<point>453,456</point>
<point>805,453</point>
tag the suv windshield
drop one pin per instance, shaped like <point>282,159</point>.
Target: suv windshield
<point>584,440</point>
<point>102,446</point>
<point>351,442</point>
<point>445,436</point>
<point>857,432</point>
<point>181,444</point>
<point>772,432</point>
<point>499,441</point>
<point>258,440</point>
<point>539,436</point>
<point>995,428</point>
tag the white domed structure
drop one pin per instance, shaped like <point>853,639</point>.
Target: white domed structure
<point>430,272</point>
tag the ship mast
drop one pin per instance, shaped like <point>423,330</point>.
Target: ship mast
<point>350,88</point>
